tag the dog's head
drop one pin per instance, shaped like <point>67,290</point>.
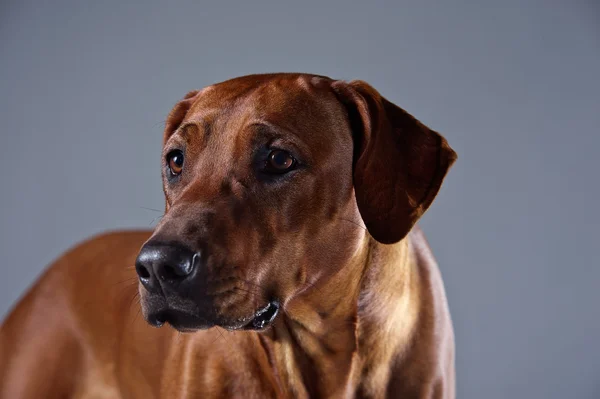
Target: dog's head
<point>268,180</point>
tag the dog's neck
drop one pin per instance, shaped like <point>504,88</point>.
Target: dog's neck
<point>342,336</point>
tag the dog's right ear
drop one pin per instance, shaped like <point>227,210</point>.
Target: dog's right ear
<point>178,113</point>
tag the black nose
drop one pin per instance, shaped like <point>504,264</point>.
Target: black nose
<point>165,264</point>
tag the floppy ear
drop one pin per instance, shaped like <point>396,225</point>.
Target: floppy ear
<point>399,163</point>
<point>178,113</point>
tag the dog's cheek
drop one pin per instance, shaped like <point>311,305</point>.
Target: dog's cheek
<point>339,240</point>
<point>276,271</point>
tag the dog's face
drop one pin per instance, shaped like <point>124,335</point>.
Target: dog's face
<point>260,175</point>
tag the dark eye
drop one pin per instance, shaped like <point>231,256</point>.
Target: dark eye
<point>280,161</point>
<point>175,162</point>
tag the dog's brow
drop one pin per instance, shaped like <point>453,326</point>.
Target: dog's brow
<point>285,133</point>
<point>273,128</point>
<point>201,125</point>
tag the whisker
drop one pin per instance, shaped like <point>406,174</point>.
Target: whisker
<point>155,219</point>
<point>124,290</point>
<point>160,123</point>
<point>214,340</point>
<point>249,283</point>
<point>255,293</point>
<point>151,209</point>
<point>139,312</point>
<point>221,334</point>
<point>131,280</point>
<point>135,296</point>
<point>354,223</point>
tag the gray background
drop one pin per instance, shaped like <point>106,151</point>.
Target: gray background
<point>513,85</point>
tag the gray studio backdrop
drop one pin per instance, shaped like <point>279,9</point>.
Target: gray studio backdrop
<point>513,85</point>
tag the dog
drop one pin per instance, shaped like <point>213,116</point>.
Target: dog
<point>287,264</point>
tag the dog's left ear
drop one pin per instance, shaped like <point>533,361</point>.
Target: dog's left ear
<point>178,113</point>
<point>399,163</point>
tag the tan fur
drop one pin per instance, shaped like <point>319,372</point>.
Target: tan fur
<point>363,309</point>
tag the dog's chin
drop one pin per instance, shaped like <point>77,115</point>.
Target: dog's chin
<point>179,320</point>
<point>186,322</point>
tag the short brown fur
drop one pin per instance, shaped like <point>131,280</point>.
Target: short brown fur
<point>363,308</point>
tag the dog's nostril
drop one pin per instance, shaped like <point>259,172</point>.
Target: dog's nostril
<point>172,272</point>
<point>142,271</point>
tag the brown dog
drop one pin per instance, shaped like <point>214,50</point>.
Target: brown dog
<point>290,200</point>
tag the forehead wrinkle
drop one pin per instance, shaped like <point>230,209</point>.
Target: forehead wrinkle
<point>278,132</point>
<point>223,108</point>
<point>212,164</point>
<point>301,116</point>
<point>192,132</point>
<point>226,127</point>
<point>235,132</point>
<point>198,124</point>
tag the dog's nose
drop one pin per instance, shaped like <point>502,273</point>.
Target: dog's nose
<point>165,264</point>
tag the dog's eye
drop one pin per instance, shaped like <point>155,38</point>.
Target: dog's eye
<point>175,162</point>
<point>280,161</point>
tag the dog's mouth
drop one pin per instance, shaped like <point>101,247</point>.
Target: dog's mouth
<point>262,319</point>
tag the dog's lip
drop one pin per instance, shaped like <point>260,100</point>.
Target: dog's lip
<point>264,317</point>
<point>260,320</point>
<point>185,322</point>
<point>181,321</point>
